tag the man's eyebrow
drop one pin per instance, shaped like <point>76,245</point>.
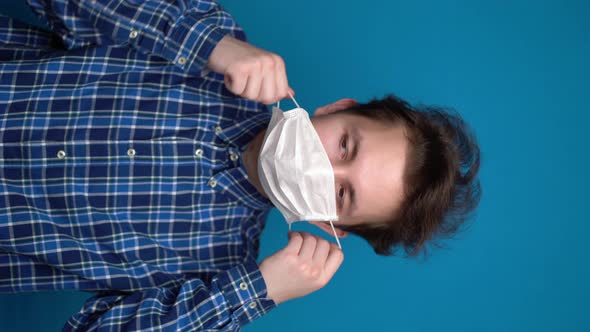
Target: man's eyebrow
<point>356,138</point>
<point>352,206</point>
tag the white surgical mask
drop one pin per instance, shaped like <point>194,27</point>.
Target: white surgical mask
<point>295,170</point>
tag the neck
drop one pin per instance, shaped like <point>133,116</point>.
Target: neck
<point>250,158</point>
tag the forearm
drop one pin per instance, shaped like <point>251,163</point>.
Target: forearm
<point>234,298</point>
<point>183,32</point>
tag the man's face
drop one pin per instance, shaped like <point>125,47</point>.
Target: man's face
<point>368,159</point>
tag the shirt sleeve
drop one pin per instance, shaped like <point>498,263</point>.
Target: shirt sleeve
<point>184,32</point>
<point>234,298</point>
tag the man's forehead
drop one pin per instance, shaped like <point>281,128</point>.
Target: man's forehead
<point>381,161</point>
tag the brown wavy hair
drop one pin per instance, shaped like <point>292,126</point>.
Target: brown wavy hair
<point>441,189</point>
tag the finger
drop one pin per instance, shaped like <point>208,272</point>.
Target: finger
<point>281,79</point>
<point>335,259</point>
<point>295,241</point>
<point>292,91</point>
<point>253,86</point>
<point>322,250</point>
<point>308,246</point>
<point>235,83</point>
<point>267,92</point>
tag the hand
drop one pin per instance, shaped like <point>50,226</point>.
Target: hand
<point>250,72</point>
<point>305,265</point>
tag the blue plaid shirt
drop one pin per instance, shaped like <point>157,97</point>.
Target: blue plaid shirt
<point>120,167</point>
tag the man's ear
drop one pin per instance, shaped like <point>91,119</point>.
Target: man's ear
<point>328,229</point>
<point>334,107</point>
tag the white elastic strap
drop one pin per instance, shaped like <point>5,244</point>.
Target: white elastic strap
<point>336,236</point>
<point>292,98</point>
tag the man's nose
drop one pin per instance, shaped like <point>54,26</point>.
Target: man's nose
<point>340,170</point>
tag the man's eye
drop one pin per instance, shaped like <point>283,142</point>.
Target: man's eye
<point>343,147</point>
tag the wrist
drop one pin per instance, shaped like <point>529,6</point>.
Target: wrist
<point>271,291</point>
<point>220,56</point>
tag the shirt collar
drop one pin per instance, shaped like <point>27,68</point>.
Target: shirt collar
<point>238,129</point>
<point>235,182</point>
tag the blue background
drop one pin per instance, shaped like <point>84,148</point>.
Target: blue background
<point>519,72</point>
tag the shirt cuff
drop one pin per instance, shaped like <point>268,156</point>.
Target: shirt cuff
<point>245,291</point>
<point>191,41</point>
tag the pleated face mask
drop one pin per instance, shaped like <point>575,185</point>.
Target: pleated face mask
<point>295,170</point>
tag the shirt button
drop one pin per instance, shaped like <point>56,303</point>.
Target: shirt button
<point>199,153</point>
<point>218,130</point>
<point>243,286</point>
<point>61,154</point>
<point>181,60</point>
<point>233,156</point>
<point>212,183</point>
<point>131,152</point>
<point>133,34</point>
<point>252,305</point>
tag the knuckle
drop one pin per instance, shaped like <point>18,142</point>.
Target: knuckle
<point>303,267</point>
<point>259,61</point>
<point>253,65</point>
<point>278,61</point>
<point>267,60</point>
<point>239,69</point>
<point>315,273</point>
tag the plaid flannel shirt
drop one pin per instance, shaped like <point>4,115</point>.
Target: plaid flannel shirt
<point>120,166</point>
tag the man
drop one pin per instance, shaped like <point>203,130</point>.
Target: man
<point>129,146</point>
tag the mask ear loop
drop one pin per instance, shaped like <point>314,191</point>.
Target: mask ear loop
<point>336,236</point>
<point>295,101</point>
<point>292,98</point>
